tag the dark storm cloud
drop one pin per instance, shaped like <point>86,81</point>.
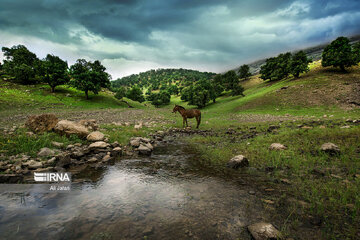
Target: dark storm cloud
<point>207,34</point>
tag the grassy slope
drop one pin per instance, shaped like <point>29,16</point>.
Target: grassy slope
<point>37,96</point>
<point>333,196</point>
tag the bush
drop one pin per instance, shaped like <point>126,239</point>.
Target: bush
<point>135,94</point>
<point>161,98</point>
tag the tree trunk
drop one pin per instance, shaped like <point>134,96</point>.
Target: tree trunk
<point>52,89</point>
<point>86,94</point>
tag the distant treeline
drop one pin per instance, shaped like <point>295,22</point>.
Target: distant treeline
<point>162,77</point>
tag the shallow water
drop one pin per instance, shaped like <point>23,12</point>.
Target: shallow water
<point>157,197</point>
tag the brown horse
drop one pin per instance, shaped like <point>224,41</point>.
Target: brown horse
<point>190,113</point>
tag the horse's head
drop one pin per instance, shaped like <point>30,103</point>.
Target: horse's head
<point>175,109</point>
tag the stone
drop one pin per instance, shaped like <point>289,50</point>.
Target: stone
<point>148,230</point>
<point>48,169</point>
<point>144,150</point>
<point>41,123</point>
<point>264,231</point>
<point>30,134</point>
<point>116,152</point>
<point>65,127</point>
<point>32,164</point>
<point>238,161</point>
<point>57,144</point>
<point>330,148</point>
<point>272,128</point>
<point>345,127</point>
<point>277,146</point>
<point>45,152</point>
<point>106,158</point>
<point>95,136</point>
<point>90,124</point>
<point>70,146</point>
<point>92,159</point>
<point>148,145</point>
<point>63,160</point>
<point>77,154</point>
<point>135,142</point>
<point>99,144</point>
<point>138,126</point>
<point>51,161</point>
<point>115,144</point>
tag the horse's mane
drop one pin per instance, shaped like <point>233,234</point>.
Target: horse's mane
<point>180,107</point>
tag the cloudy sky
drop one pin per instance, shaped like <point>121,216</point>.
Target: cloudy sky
<point>208,35</point>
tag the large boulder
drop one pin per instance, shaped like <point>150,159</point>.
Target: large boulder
<point>68,128</point>
<point>238,161</point>
<point>90,124</point>
<point>330,148</point>
<point>264,231</point>
<point>41,123</point>
<point>95,136</point>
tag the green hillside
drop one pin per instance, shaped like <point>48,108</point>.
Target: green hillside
<point>159,77</point>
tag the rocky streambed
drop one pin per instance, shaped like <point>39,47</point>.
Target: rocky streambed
<point>165,195</point>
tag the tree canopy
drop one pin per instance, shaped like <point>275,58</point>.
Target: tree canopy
<point>299,64</point>
<point>21,64</point>
<point>338,54</point>
<point>244,71</point>
<point>89,76</point>
<point>55,71</point>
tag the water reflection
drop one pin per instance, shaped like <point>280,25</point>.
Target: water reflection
<point>129,203</point>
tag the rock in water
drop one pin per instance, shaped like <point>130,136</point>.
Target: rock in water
<point>144,150</point>
<point>117,151</point>
<point>45,152</point>
<point>277,146</point>
<point>68,128</point>
<point>95,136</point>
<point>330,148</point>
<point>264,231</point>
<point>41,123</point>
<point>238,161</point>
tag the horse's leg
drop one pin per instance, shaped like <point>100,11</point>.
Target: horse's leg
<point>184,119</point>
<point>198,118</point>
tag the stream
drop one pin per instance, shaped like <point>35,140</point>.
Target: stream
<point>165,196</point>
